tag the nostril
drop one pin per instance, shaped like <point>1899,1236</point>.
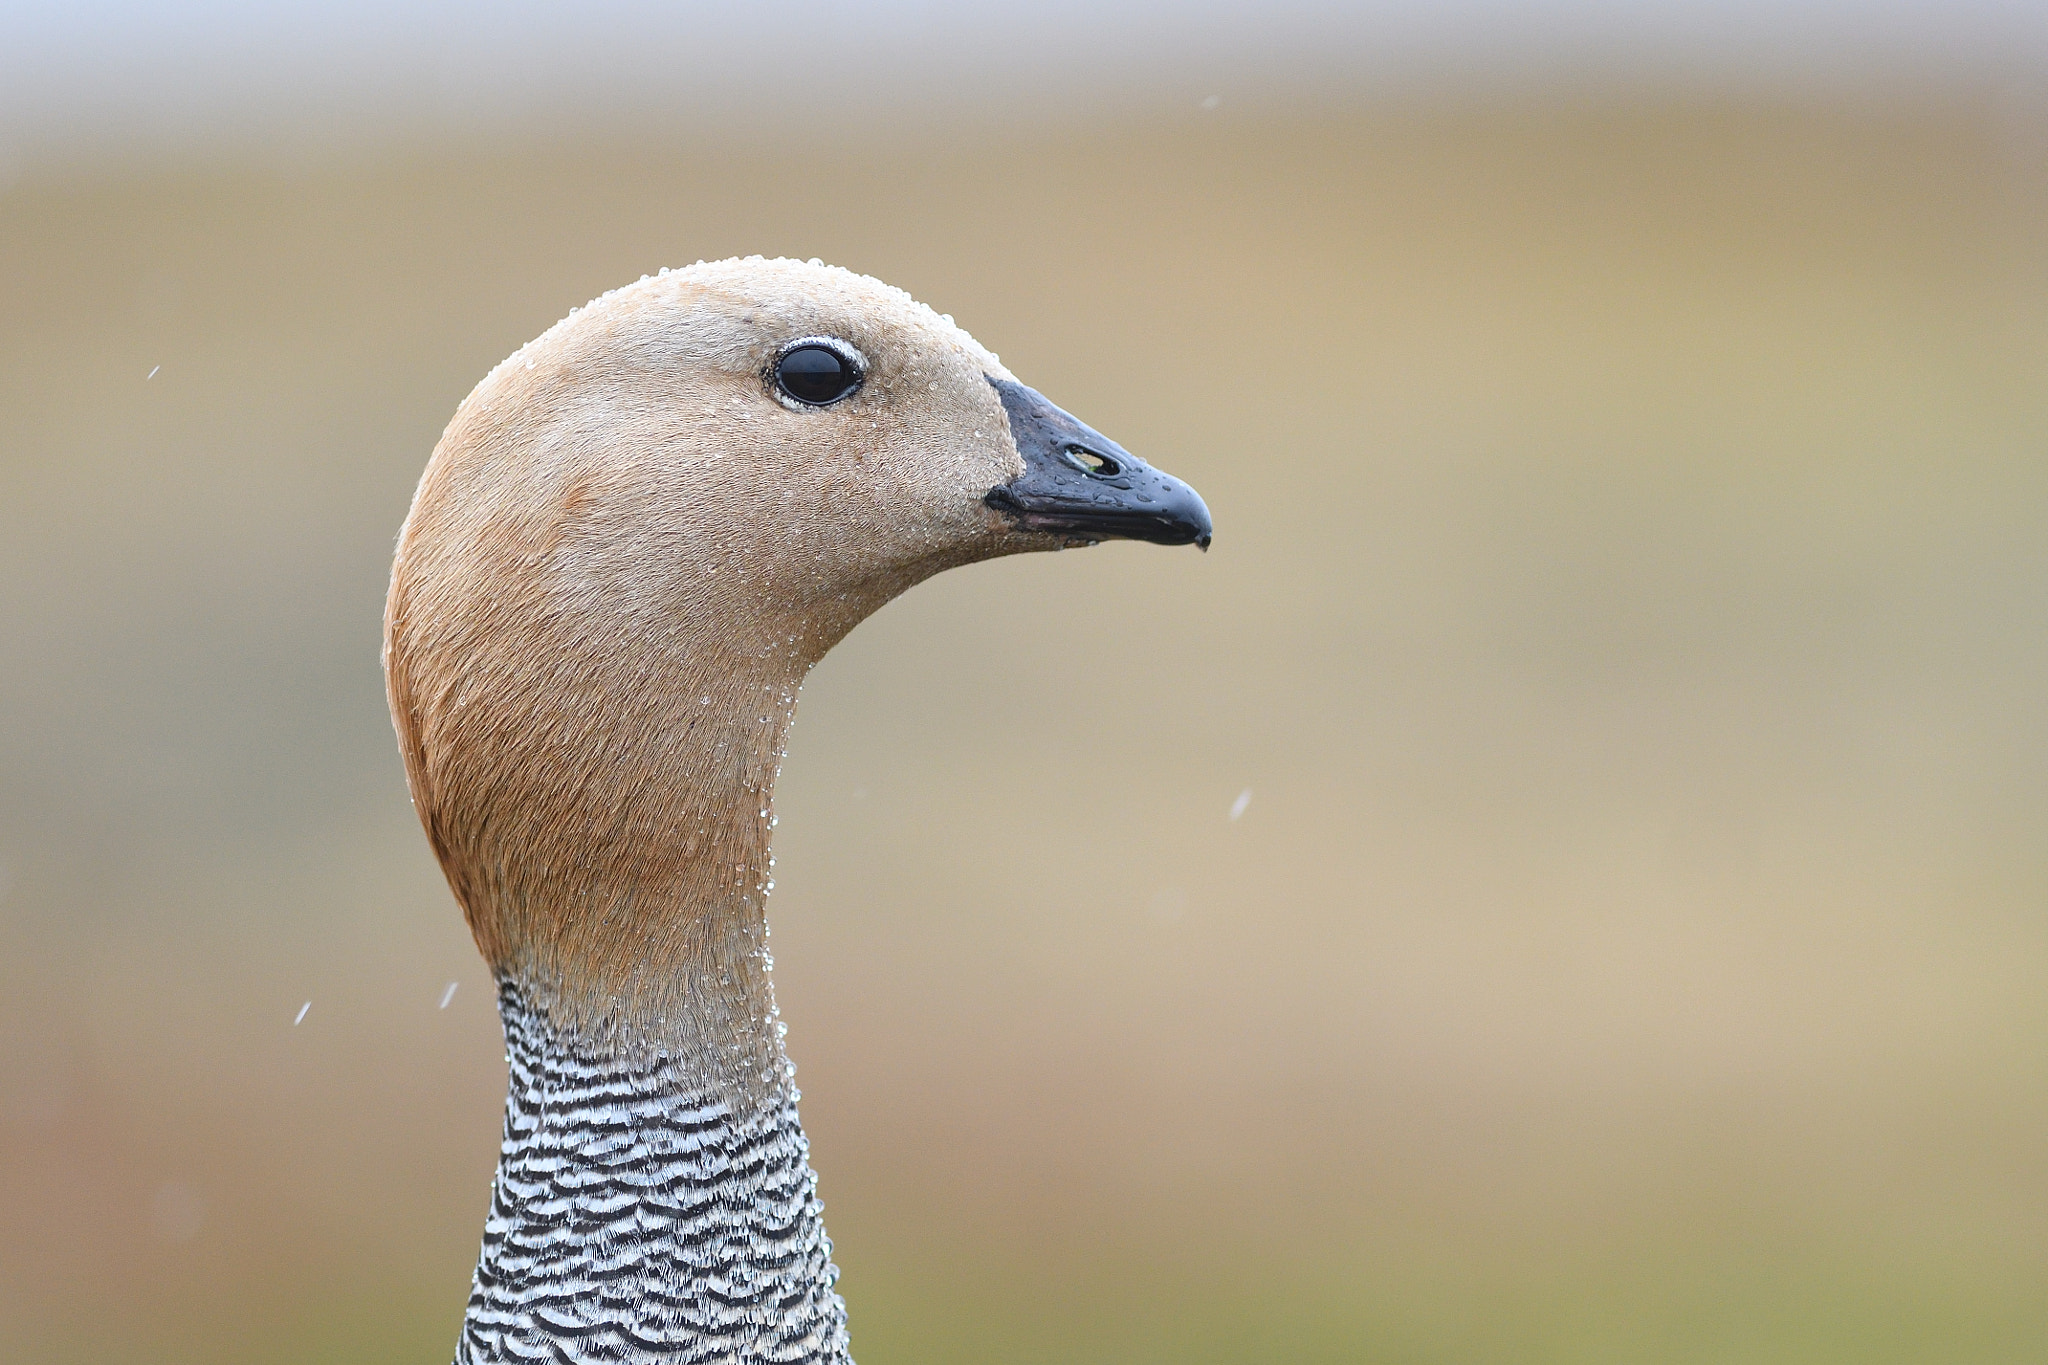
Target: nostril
<point>1091,462</point>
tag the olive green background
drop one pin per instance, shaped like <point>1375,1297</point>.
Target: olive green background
<point>1626,612</point>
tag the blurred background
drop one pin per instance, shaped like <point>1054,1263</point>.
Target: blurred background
<point>1565,879</point>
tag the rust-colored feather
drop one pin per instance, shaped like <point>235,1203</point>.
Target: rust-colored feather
<point>623,558</point>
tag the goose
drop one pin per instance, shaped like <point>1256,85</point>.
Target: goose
<point>634,539</point>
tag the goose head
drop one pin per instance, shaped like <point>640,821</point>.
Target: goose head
<point>635,538</point>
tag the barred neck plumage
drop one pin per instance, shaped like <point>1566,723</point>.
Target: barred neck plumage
<point>639,1217</point>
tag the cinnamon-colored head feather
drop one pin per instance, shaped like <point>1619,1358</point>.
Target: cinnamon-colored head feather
<point>625,553</point>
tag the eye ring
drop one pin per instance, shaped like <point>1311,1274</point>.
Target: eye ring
<point>815,372</point>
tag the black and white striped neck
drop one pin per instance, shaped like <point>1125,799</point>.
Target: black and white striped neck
<point>638,1216</point>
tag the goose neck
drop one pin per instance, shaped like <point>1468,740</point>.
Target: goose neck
<point>641,1214</point>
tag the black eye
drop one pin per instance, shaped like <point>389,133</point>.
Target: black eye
<point>816,375</point>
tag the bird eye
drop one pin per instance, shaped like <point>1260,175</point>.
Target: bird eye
<point>816,375</point>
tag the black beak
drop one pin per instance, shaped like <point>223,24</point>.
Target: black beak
<point>1080,485</point>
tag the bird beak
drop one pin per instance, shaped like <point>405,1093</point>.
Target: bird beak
<point>1078,484</point>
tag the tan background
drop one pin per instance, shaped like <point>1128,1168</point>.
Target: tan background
<point>1626,613</point>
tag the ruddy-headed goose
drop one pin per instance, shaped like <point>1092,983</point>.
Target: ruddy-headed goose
<point>634,539</point>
